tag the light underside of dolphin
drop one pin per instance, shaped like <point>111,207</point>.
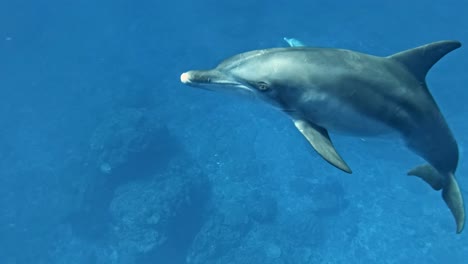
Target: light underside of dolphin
<point>325,89</point>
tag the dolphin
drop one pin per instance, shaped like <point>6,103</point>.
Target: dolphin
<point>293,42</point>
<point>343,91</point>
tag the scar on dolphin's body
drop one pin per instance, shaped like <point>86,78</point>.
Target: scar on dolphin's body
<point>339,90</point>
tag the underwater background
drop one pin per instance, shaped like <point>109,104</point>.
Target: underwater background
<point>105,157</point>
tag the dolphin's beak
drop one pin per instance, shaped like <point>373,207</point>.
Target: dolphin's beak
<point>206,78</point>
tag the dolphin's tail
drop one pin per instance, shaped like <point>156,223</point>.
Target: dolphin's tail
<point>450,191</point>
<point>454,199</point>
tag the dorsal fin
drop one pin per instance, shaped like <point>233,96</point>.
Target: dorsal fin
<point>421,59</point>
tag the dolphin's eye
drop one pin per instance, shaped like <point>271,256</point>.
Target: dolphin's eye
<point>262,86</point>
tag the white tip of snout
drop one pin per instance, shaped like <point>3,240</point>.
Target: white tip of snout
<point>184,77</point>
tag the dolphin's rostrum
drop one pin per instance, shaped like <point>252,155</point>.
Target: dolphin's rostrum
<point>337,90</point>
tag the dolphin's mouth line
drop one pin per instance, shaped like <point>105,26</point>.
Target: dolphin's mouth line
<point>209,82</point>
<point>211,87</point>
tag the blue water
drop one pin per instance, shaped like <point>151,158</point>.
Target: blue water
<point>105,157</point>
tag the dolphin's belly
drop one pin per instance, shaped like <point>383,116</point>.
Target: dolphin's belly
<point>340,117</point>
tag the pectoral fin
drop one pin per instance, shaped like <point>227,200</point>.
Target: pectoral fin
<point>320,141</point>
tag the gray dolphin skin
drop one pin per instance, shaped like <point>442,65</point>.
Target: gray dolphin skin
<point>344,91</point>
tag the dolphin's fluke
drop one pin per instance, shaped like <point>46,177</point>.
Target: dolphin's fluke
<point>454,200</point>
<point>450,191</point>
<point>421,59</point>
<point>429,175</point>
<point>320,141</point>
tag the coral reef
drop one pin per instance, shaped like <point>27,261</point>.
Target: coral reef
<point>159,217</point>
